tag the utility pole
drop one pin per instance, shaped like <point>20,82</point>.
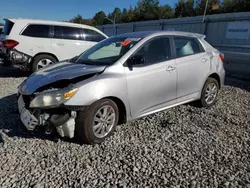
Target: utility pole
<point>205,11</point>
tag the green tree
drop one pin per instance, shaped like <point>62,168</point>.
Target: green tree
<point>147,10</point>
<point>152,10</point>
<point>77,19</point>
<point>228,6</point>
<point>99,18</point>
<point>124,16</point>
<point>116,15</point>
<point>165,12</point>
<point>80,20</point>
<point>201,4</point>
<point>184,8</point>
<point>241,5</point>
<point>131,14</point>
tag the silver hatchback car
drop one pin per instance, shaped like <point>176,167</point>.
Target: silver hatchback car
<point>120,79</point>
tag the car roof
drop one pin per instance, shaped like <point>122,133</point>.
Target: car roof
<point>62,23</point>
<point>143,34</point>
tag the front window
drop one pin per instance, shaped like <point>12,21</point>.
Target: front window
<point>108,51</point>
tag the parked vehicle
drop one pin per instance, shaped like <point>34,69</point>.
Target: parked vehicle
<point>1,29</point>
<point>39,43</point>
<point>120,79</point>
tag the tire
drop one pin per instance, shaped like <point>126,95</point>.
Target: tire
<point>209,83</point>
<point>85,122</point>
<point>37,59</point>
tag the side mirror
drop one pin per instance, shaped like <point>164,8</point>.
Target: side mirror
<point>136,60</point>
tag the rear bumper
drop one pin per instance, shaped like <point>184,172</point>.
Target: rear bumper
<point>15,56</point>
<point>222,77</point>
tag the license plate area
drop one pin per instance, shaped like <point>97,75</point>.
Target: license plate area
<point>29,120</point>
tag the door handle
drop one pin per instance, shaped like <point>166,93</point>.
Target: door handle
<point>170,68</point>
<point>204,60</point>
<point>60,44</point>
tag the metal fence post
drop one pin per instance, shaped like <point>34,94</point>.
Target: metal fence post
<point>205,26</point>
<point>162,25</point>
<point>133,27</point>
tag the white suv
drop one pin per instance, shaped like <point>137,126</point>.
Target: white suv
<point>38,43</point>
<point>1,29</point>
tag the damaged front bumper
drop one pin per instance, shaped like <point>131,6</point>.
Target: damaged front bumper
<point>63,120</point>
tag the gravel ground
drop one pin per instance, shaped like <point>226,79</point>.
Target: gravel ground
<point>182,147</point>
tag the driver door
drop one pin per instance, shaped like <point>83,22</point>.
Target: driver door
<point>152,85</point>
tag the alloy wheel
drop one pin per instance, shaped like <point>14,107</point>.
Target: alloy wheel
<point>104,121</point>
<point>43,63</point>
<point>211,93</point>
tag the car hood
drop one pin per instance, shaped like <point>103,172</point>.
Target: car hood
<point>56,72</point>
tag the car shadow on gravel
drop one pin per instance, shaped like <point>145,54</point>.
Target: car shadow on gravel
<point>11,125</point>
<point>239,83</point>
<point>12,72</point>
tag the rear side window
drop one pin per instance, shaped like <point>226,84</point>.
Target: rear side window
<point>58,32</point>
<point>7,27</point>
<point>71,33</point>
<point>187,46</point>
<point>92,36</point>
<point>37,30</point>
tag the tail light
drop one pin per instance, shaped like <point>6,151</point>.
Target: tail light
<point>10,43</point>
<point>222,57</point>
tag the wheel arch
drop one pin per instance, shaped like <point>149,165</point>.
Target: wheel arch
<point>216,77</point>
<point>41,53</point>
<point>44,53</point>
<point>121,107</point>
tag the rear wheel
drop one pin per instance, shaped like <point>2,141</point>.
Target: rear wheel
<point>42,61</point>
<point>97,122</point>
<point>209,93</point>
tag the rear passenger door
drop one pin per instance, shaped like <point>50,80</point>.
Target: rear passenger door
<point>193,65</point>
<point>67,42</point>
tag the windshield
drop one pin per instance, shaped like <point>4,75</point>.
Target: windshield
<point>108,51</point>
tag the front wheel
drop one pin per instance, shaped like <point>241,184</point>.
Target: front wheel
<point>97,122</point>
<point>209,93</point>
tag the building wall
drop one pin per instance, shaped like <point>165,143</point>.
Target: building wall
<point>230,33</point>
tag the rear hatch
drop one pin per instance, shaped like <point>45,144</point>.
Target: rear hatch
<point>1,30</point>
<point>4,43</point>
<point>7,28</point>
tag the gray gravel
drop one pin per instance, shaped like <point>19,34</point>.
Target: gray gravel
<point>185,146</point>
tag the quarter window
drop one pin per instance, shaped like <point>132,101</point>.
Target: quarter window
<point>157,50</point>
<point>186,46</point>
<point>37,30</point>
<point>92,36</point>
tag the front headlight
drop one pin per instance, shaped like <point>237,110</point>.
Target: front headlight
<point>52,98</point>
